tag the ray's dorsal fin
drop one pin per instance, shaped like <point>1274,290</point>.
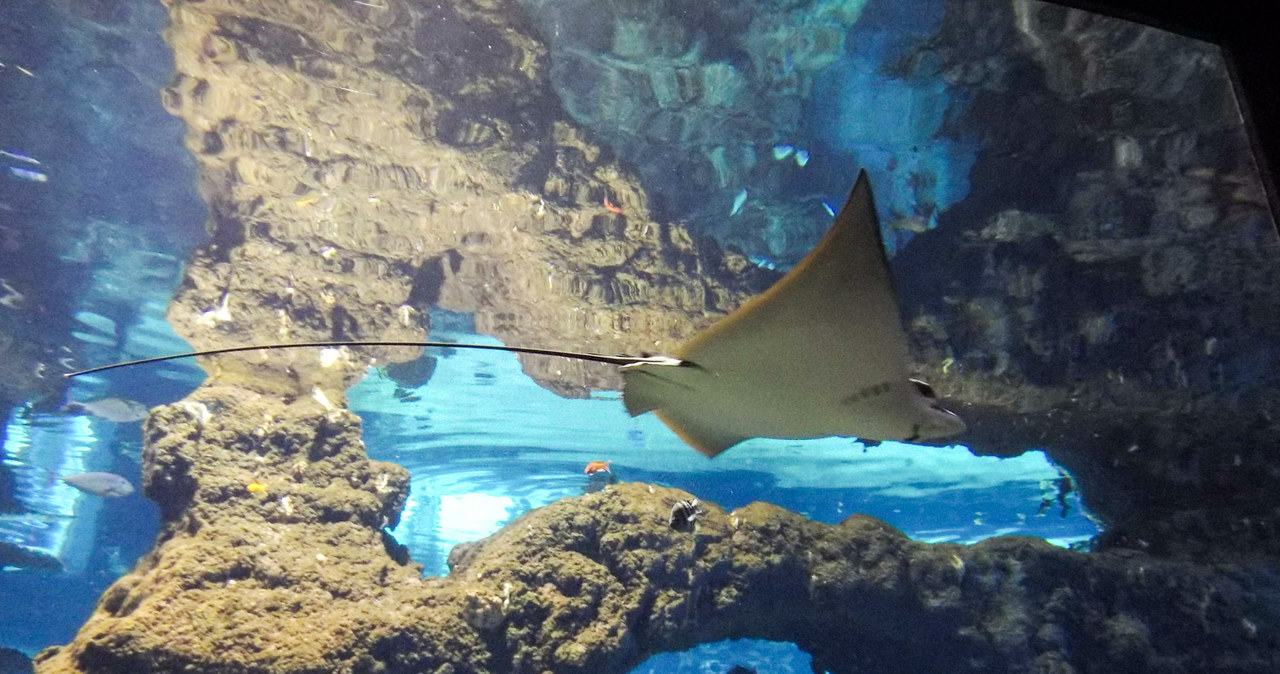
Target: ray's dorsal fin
<point>842,290</point>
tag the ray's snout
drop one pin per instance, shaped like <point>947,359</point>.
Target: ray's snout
<point>944,422</point>
<point>939,422</point>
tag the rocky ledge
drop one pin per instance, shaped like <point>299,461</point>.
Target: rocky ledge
<point>272,559</point>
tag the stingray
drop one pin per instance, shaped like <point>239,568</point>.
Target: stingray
<point>820,353</point>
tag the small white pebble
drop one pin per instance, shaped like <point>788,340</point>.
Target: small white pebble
<point>405,314</point>
<point>321,398</point>
<point>197,411</point>
<point>329,356</point>
<point>1250,629</point>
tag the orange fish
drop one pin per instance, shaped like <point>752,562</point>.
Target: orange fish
<point>597,467</point>
<point>611,208</point>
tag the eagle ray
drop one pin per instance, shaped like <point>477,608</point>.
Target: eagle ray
<point>820,353</point>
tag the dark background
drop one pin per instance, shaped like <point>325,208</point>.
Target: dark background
<point>1247,32</point>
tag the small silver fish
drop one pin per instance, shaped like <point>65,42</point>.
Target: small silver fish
<point>106,485</point>
<point>802,157</point>
<point>918,224</point>
<point>738,202</point>
<point>20,157</point>
<point>28,174</point>
<point>781,152</point>
<point>119,410</point>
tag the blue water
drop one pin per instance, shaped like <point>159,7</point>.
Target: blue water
<point>769,657</point>
<point>99,245</point>
<point>893,123</point>
<point>483,442</point>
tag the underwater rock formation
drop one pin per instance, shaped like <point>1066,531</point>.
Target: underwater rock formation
<point>364,164</point>
<point>695,97</point>
<point>1103,293</point>
<point>1108,284</point>
<point>469,192</point>
<point>18,557</point>
<point>295,575</point>
<point>473,193</point>
<point>14,662</point>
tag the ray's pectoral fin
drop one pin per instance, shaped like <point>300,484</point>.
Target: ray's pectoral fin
<point>649,386</point>
<point>669,393</point>
<point>701,436</point>
<point>643,391</point>
<point>782,364</point>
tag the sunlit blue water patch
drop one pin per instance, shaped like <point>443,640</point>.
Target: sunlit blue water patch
<point>484,443</point>
<point>893,121</point>
<point>95,540</point>
<point>48,442</point>
<point>719,658</point>
<point>65,519</point>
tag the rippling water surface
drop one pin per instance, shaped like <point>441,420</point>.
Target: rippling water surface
<point>484,444</point>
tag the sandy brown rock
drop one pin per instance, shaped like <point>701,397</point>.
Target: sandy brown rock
<point>297,578</point>
<point>366,165</point>
<point>1107,284</point>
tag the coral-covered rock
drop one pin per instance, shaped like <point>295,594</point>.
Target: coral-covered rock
<point>597,583</point>
<point>329,225</point>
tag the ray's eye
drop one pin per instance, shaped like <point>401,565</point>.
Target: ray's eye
<point>924,389</point>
